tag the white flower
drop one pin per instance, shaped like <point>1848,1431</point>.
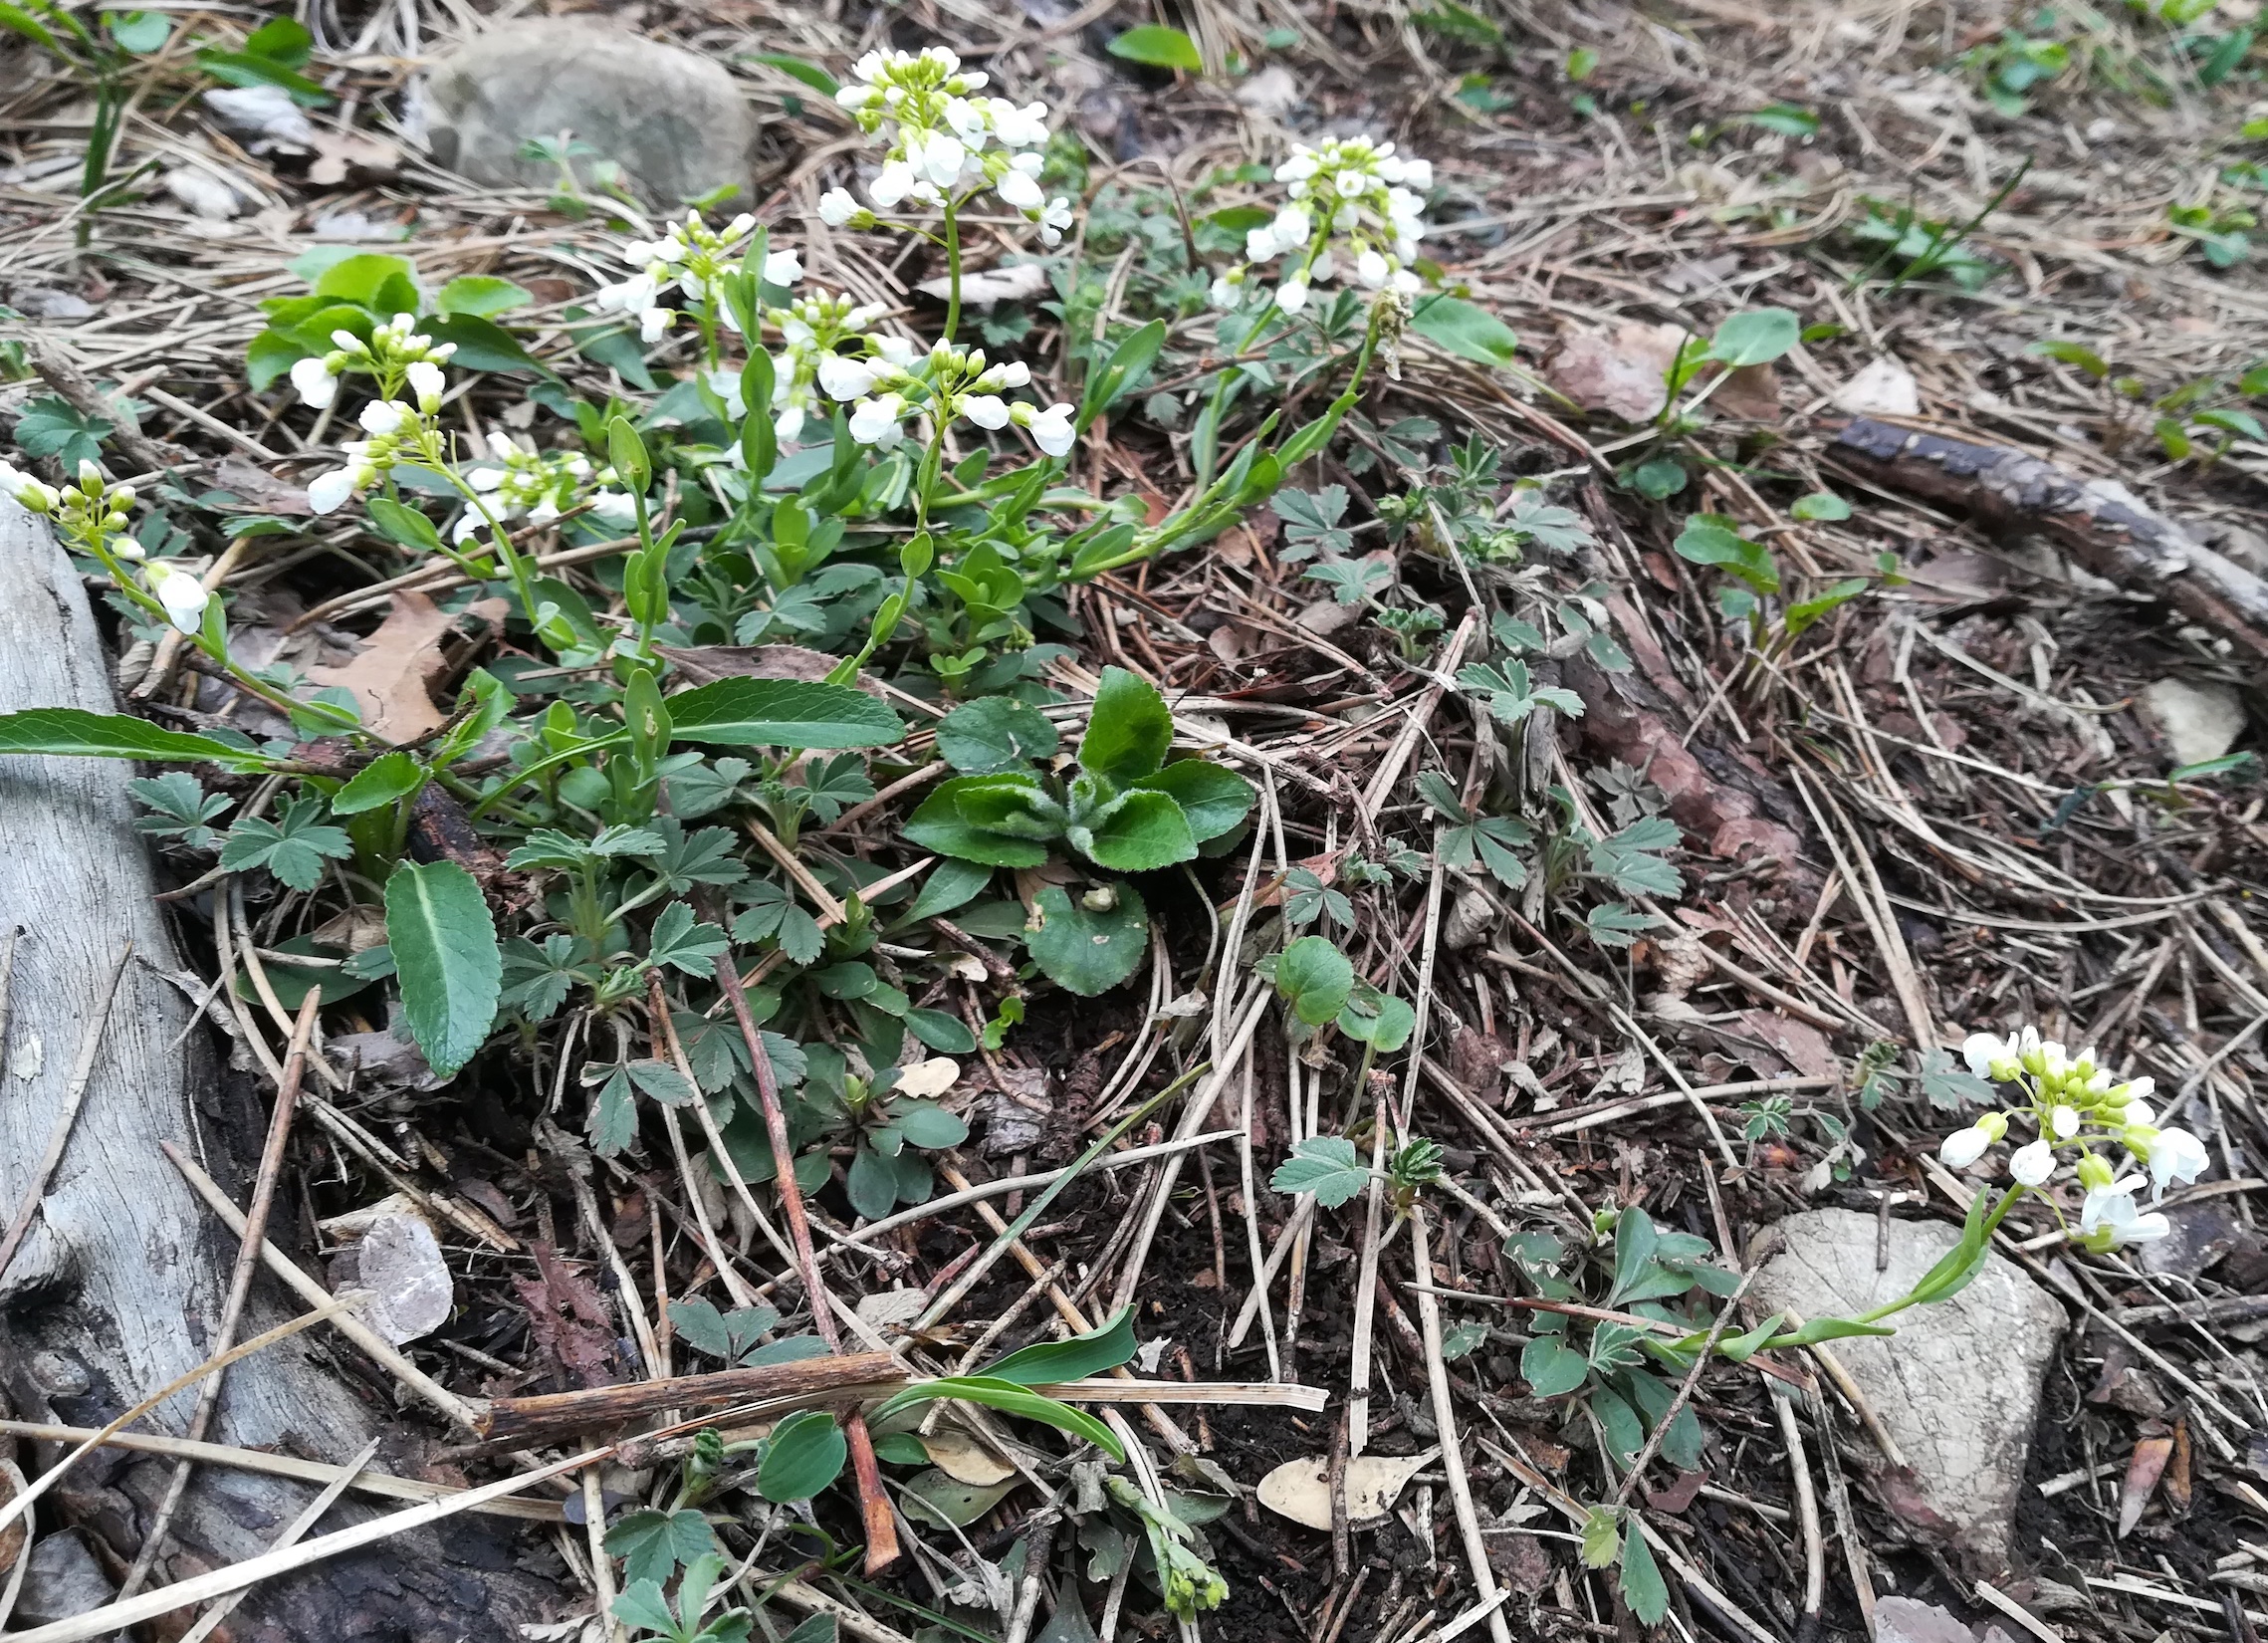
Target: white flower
<point>2112,1209</point>
<point>987,410</point>
<point>428,384</point>
<point>846,378</point>
<point>327,492</point>
<point>875,421</point>
<point>1050,429</point>
<point>936,157</point>
<point>631,295</point>
<point>614,507</point>
<point>316,382</point>
<point>836,207</point>
<point>783,268</point>
<point>788,425</point>
<point>1008,374</point>
<point>182,594</point>
<point>2139,1114</point>
<point>891,184</point>
<point>1372,270</point>
<point>2030,1165</point>
<point>1024,127</point>
<point>2176,1155</point>
<point>1964,1148</point>
<point>2063,1122</point>
<point>654,322</point>
<point>1984,1053</point>
<point>1055,220</point>
<point>1020,189</point>
<point>1291,296</point>
<point>382,417</point>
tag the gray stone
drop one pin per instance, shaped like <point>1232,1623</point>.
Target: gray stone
<point>1958,1386</point>
<point>63,1580</point>
<point>1909,1621</point>
<point>2197,722</point>
<point>675,122</point>
<point>2244,548</point>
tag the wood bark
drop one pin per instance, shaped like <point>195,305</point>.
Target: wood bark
<point>2106,528</point>
<point>120,1280</point>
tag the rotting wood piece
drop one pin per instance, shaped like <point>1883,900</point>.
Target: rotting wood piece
<point>2105,527</point>
<point>835,1378</point>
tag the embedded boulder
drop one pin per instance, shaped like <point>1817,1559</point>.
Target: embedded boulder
<point>675,122</point>
<point>1958,1388</point>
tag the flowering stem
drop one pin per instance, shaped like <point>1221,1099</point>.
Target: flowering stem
<point>499,539</point>
<point>952,267</point>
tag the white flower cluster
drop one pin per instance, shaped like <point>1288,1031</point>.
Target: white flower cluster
<point>395,354</point>
<point>936,137</point>
<point>945,384</point>
<point>690,257</point>
<point>2075,1103</point>
<point>516,483</point>
<point>92,514</point>
<point>1353,200</point>
<point>811,327</point>
<point>394,429</point>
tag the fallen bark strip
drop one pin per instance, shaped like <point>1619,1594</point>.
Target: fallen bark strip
<point>383,1484</point>
<point>2105,527</point>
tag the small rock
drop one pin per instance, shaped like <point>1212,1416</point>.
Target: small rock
<point>1958,1386</point>
<point>2196,722</point>
<point>62,1580</point>
<point>265,113</point>
<point>44,303</point>
<point>1907,1620</point>
<point>1270,94</point>
<point>675,121</point>
<point>2245,548</point>
<point>399,1262</point>
<point>202,192</point>
<point>1881,388</point>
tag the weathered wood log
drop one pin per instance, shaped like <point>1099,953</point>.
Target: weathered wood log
<point>121,1279</point>
<point>842,1378</point>
<point>2105,527</point>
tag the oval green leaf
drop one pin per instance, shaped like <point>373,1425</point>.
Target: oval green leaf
<point>1084,951</point>
<point>781,713</point>
<point>804,1455</point>
<point>445,958</point>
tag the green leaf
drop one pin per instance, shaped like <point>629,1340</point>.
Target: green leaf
<point>1805,612</point>
<point>446,958</point>
<point>802,1455</point>
<point>1213,798</point>
<point>928,1125</point>
<point>1466,330</point>
<point>950,884</point>
<point>1075,1359</point>
<point>387,778</point>
<point>1315,978</point>
<point>993,732</point>
<point>483,294</point>
<point>1789,120</point>
<point>1714,539</point>
<point>1130,729</point>
<point>796,67</point>
<point>684,945</point>
<point>780,713</point>
<point>1386,1027</point>
<point>51,427</point>
<point>1009,1397</point>
<point>966,817</point>
<point>404,525</point>
<point>1642,1585</point>
<point>1551,1367</point>
<point>74,733</point>
<point>947,1034</point>
<point>251,69</point>
<point>374,280</point>
<point>482,344</point>
<point>1756,337</point>
<point>652,1543</point>
<point>642,1607</point>
<point>1821,505</point>
<point>1327,1166</point>
<point>1085,951</point>
<point>1158,48</point>
<point>139,32</point>
<point>1138,831</point>
<point>293,846</point>
<point>1634,1244</point>
<point>1602,1537</point>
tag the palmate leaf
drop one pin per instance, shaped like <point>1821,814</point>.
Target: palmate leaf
<point>652,1543</point>
<point>1327,1166</point>
<point>293,846</point>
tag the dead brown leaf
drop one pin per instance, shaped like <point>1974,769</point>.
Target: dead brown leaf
<point>1620,372</point>
<point>260,490</point>
<point>339,153</point>
<point>567,1319</point>
<point>2143,1469</point>
<point>1751,394</point>
<point>1799,1044</point>
<point>393,676</point>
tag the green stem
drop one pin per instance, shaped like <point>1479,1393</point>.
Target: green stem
<point>952,267</point>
